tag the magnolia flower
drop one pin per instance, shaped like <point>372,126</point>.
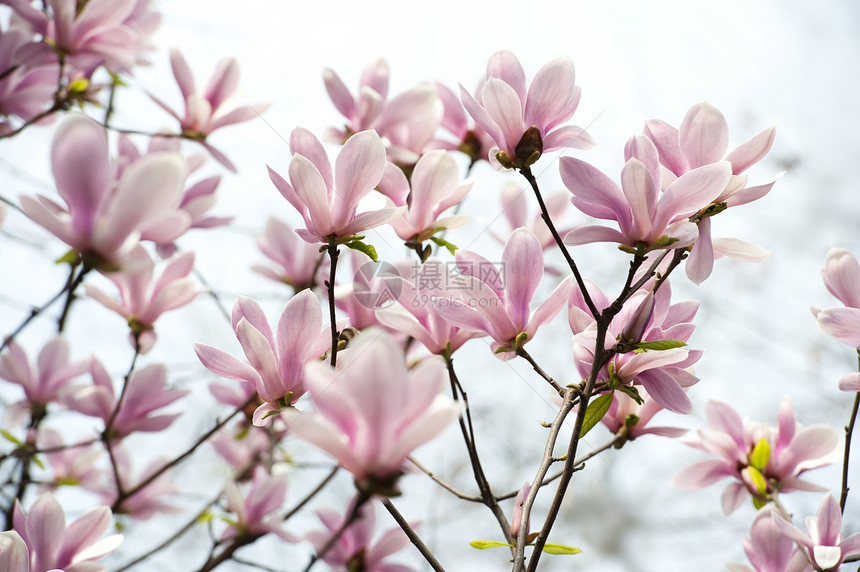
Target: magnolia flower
<point>841,275</point>
<point>644,317</point>
<point>44,383</point>
<point>256,513</point>
<point>146,393</point>
<point>417,313</point>
<point>406,123</point>
<point>768,549</point>
<point>823,542</point>
<point>28,85</point>
<point>53,545</point>
<point>328,203</point>
<point>363,111</point>
<point>301,265</point>
<point>644,213</point>
<point>197,199</point>
<point>703,140</point>
<point>526,124</point>
<point>763,460</point>
<point>517,515</point>
<point>203,111</point>
<point>433,188</point>
<point>275,367</point>
<point>104,218</point>
<point>484,304</point>
<point>72,464</point>
<point>372,411</point>
<point>354,549</point>
<point>99,32</point>
<point>470,138</point>
<point>143,300</point>
<point>242,451</point>
<point>147,501</point>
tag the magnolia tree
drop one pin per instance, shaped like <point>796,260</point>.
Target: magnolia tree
<point>361,365</point>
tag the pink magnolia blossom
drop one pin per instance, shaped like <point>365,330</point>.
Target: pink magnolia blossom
<point>822,542</point>
<point>515,208</point>
<point>791,451</point>
<point>29,82</point>
<point>768,549</point>
<point>841,275</point>
<point>328,201</point>
<point>203,111</point>
<point>256,512</point>
<point>644,213</point>
<point>112,33</point>
<point>354,549</point>
<point>43,383</point>
<point>374,285</point>
<point>507,112</point>
<point>643,317</point>
<point>416,313</point>
<point>405,123</point>
<point>143,300</point>
<point>433,188</point>
<point>197,200</point>
<point>503,311</point>
<point>104,218</point>
<point>703,140</point>
<point>275,366</point>
<point>470,138</point>
<point>53,545</point>
<point>300,264</point>
<point>72,465</point>
<point>242,451</point>
<point>372,411</point>
<point>146,393</point>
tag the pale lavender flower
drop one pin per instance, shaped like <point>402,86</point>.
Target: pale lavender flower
<point>372,411</point>
<point>53,545</point>
<point>300,264</point>
<point>823,542</point>
<point>256,512</point>
<point>761,460</point>
<point>768,549</point>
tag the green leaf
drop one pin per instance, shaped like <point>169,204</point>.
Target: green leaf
<point>452,248</point>
<point>631,392</point>
<point>71,257</point>
<point>560,549</point>
<point>483,544</point>
<point>758,479</point>
<point>39,462</point>
<point>659,345</point>
<point>11,438</point>
<point>760,454</point>
<point>363,247</point>
<point>758,502</point>
<point>595,412</point>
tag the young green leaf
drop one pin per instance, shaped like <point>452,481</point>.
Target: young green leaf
<point>595,412</point>
<point>560,549</point>
<point>484,544</point>
<point>659,345</point>
<point>363,247</point>
<point>444,243</point>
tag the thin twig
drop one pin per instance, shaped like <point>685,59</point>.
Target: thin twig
<point>413,537</point>
<point>333,255</point>
<point>849,430</point>
<point>445,485</point>
<point>524,354</point>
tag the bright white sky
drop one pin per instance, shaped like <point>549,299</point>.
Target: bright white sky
<point>772,62</point>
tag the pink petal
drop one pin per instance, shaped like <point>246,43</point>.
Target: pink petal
<point>481,116</point>
<point>549,93</point>
<point>663,388</point>
<point>594,193</point>
<point>299,322</point>
<point>221,363</point>
<point>83,532</point>
<point>311,190</point>
<point>701,474</point>
<point>692,191</point>
<point>505,66</point>
<point>503,105</point>
<point>850,382</point>
<point>640,190</point>
<point>739,249</point>
<point>306,144</point>
<point>665,138</point>
<point>752,151</point>
<point>248,308</point>
<point>700,262</point>
<point>733,497</point>
<point>704,135</point>
<point>569,136</point>
<point>523,260</point>
<point>842,324</point>
<point>589,234</point>
<point>375,76</point>
<point>358,169</point>
<point>223,82</point>
<point>841,275</point>
<point>339,93</point>
<point>182,73</point>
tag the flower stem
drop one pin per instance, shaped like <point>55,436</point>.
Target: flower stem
<point>849,430</point>
<point>413,536</point>
<point>333,255</point>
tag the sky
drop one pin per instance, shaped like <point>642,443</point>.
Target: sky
<point>785,63</point>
